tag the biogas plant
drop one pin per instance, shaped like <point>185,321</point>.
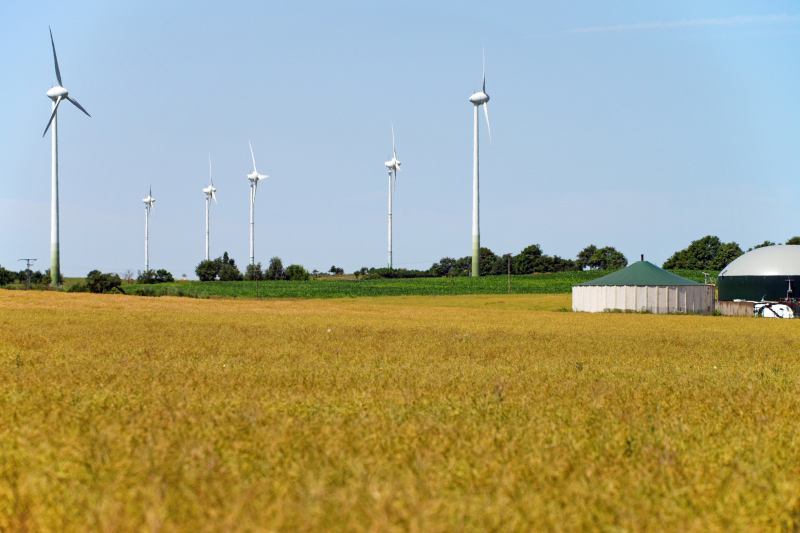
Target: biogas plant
<point>762,282</point>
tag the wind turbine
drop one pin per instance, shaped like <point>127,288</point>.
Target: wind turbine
<point>148,205</point>
<point>210,193</point>
<point>393,165</point>
<point>254,178</point>
<point>478,99</point>
<point>56,94</point>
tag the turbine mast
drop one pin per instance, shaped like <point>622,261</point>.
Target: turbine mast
<point>476,232</point>
<point>146,235</point>
<point>208,206</point>
<point>390,218</point>
<point>252,201</point>
<point>55,255</point>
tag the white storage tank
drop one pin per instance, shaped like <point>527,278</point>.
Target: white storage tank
<point>643,286</point>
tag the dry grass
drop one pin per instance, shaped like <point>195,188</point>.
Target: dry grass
<point>412,413</point>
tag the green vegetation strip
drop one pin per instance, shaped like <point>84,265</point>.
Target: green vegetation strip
<point>554,283</point>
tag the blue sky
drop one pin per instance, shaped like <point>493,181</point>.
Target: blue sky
<point>637,126</point>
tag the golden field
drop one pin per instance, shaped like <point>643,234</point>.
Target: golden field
<point>460,413</point>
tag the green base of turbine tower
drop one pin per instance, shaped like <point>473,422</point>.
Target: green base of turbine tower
<point>55,267</point>
<point>476,256</point>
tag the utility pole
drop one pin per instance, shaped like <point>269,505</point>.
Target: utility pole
<point>28,271</point>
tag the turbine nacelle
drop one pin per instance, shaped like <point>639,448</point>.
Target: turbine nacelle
<point>479,98</point>
<point>148,202</point>
<point>393,164</point>
<point>210,190</point>
<point>255,177</point>
<point>57,92</point>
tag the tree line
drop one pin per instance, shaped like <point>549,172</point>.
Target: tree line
<point>710,253</point>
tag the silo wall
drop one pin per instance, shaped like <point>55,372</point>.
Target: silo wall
<point>653,298</point>
<point>756,288</point>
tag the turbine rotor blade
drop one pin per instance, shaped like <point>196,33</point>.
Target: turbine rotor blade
<point>483,49</point>
<point>55,58</point>
<point>75,102</point>
<point>254,157</point>
<point>486,112</point>
<point>394,150</point>
<point>210,175</point>
<point>58,102</point>
<point>214,196</point>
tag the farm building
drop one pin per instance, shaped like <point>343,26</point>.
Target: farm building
<point>643,286</point>
<point>761,274</point>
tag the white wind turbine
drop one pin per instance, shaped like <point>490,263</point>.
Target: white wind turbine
<point>393,165</point>
<point>254,178</point>
<point>148,206</point>
<point>210,193</point>
<point>56,94</point>
<point>478,99</point>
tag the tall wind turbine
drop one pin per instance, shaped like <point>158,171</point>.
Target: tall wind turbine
<point>148,206</point>
<point>254,178</point>
<point>56,94</point>
<point>393,165</point>
<point>478,99</point>
<point>210,193</point>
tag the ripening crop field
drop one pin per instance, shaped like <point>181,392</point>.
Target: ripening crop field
<point>439,413</point>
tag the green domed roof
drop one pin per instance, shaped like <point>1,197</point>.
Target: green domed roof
<point>641,273</point>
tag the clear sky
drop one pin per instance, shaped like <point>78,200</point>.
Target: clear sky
<point>637,125</point>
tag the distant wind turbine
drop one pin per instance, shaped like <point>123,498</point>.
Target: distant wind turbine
<point>254,178</point>
<point>148,206</point>
<point>210,193</point>
<point>478,99</point>
<point>393,165</point>
<point>56,94</point>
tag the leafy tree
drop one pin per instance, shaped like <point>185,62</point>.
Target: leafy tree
<point>608,258</point>
<point>227,260</point>
<point>528,259</point>
<point>7,276</point>
<point>98,282</point>
<point>162,276</point>
<point>584,256</point>
<point>229,272</point>
<point>298,273</point>
<point>442,268</point>
<point>253,273</point>
<point>702,254</point>
<point>275,269</point>
<point>147,277</point>
<point>762,245</point>
<point>793,240</point>
<point>725,255</point>
<point>207,270</point>
<point>487,261</point>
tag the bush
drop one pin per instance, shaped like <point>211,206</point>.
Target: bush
<point>154,276</point>
<point>78,287</point>
<point>99,283</point>
<point>207,270</point>
<point>296,273</point>
<point>228,272</point>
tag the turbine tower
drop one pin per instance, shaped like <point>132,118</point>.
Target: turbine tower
<point>210,193</point>
<point>56,94</point>
<point>148,205</point>
<point>478,99</point>
<point>393,165</point>
<point>254,178</point>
